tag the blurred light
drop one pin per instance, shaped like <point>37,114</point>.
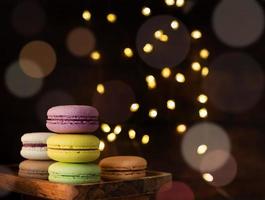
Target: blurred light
<point>134,107</point>
<point>180,3</point>
<point>202,149</point>
<point>146,11</point>
<point>196,66</point>
<point>163,38</point>
<point>105,128</point>
<point>207,177</point>
<point>151,81</point>
<point>95,55</point>
<point>132,134</point>
<point>32,61</point>
<point>100,88</point>
<point>111,17</point>
<point>205,71</point>
<point>80,41</point>
<point>174,24</point>
<point>153,113</point>
<point>166,72</point>
<point>170,2</point>
<point>128,52</point>
<point>171,104</point>
<point>117,129</point>
<point>181,128</point>
<point>86,15</point>
<point>202,98</point>
<point>203,113</point>
<point>204,53</point>
<point>148,48</point>
<point>196,34</point>
<point>158,34</point>
<point>180,78</point>
<point>111,137</point>
<point>145,139</point>
<point>101,145</point>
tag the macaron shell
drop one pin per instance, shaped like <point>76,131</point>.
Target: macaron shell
<point>74,179</point>
<point>36,137</point>
<point>73,156</point>
<point>34,153</point>
<point>122,175</point>
<point>82,110</point>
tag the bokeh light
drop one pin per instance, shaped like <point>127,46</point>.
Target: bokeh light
<point>172,46</point>
<point>145,139</point>
<point>146,11</point>
<point>152,113</point>
<point>207,177</point>
<point>128,52</point>
<point>100,88</point>
<point>50,99</point>
<point>180,3</point>
<point>204,133</point>
<point>117,129</point>
<point>101,145</point>
<point>196,34</point>
<point>105,128</point>
<point>158,34</point>
<point>204,53</point>
<point>132,134</point>
<point>169,2</point>
<point>134,107</point>
<point>111,17</point>
<point>111,137</point>
<point>114,105</point>
<point>181,128</point>
<point>86,15</point>
<point>235,84</point>
<point>95,55</point>
<point>180,78</point>
<point>80,41</point>
<point>196,66</point>
<point>202,98</point>
<point>236,27</point>
<point>175,191</point>
<point>202,149</point>
<point>174,24</point>
<point>19,84</point>
<point>203,113</point>
<point>32,59</point>
<point>205,71</point>
<point>151,81</point>
<point>28,18</point>
<point>171,105</point>
<point>166,72</point>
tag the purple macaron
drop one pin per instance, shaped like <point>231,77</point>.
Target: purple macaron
<point>72,119</point>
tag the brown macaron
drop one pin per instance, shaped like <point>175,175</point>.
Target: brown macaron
<point>122,167</point>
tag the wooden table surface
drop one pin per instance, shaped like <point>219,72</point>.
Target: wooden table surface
<point>140,189</point>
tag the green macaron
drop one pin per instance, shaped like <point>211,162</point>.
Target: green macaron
<point>74,173</point>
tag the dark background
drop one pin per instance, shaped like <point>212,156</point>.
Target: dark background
<point>79,77</point>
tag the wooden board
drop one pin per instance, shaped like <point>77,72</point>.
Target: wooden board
<point>145,186</point>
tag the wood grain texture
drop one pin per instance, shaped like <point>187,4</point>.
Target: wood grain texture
<point>132,189</point>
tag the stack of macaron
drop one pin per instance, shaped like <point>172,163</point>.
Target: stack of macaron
<point>73,147</point>
<point>35,150</point>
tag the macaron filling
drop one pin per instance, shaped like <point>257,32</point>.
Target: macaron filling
<point>66,119</point>
<point>34,145</point>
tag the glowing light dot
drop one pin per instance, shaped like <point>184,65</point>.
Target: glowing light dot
<point>196,66</point>
<point>105,128</point>
<point>111,137</point>
<point>117,129</point>
<point>180,3</point>
<point>153,113</point>
<point>202,98</point>
<point>196,34</point>
<point>134,107</point>
<point>148,48</point>
<point>163,38</point>
<point>174,24</point>
<point>181,128</point>
<point>170,2</point>
<point>202,149</point>
<point>203,113</point>
<point>86,15</point>
<point>146,11</point>
<point>204,53</point>
<point>132,134</point>
<point>166,72</point>
<point>100,88</point>
<point>151,81</point>
<point>128,52</point>
<point>111,17</point>
<point>158,34</point>
<point>171,104</point>
<point>101,145</point>
<point>207,177</point>
<point>205,71</point>
<point>95,55</point>
<point>180,78</point>
<point>145,139</point>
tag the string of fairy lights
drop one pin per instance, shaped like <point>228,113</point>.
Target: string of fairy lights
<point>151,82</point>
